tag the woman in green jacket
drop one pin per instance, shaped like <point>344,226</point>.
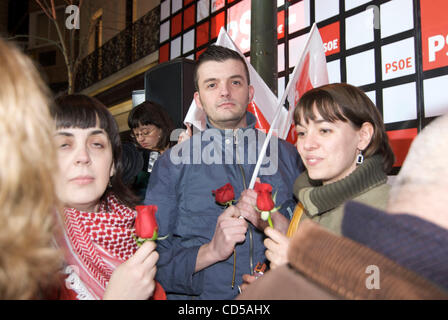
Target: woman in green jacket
<point>343,144</point>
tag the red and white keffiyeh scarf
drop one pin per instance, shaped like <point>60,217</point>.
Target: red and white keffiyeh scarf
<point>97,243</point>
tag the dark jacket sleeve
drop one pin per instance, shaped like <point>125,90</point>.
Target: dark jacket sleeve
<point>291,166</point>
<point>175,268</point>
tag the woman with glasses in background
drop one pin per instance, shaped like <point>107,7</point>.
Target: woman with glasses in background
<point>151,127</point>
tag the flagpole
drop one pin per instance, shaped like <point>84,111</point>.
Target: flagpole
<point>263,149</point>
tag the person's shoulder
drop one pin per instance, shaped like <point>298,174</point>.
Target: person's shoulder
<point>176,158</point>
<point>353,208</point>
<point>281,142</point>
<point>376,196</point>
<point>287,150</point>
<point>288,146</point>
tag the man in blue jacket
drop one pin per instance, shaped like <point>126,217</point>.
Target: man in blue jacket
<point>209,246</point>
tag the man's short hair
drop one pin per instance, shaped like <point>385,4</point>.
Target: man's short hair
<point>218,54</point>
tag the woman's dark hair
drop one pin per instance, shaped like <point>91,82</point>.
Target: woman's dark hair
<point>81,111</point>
<point>341,101</point>
<point>132,161</point>
<point>152,113</point>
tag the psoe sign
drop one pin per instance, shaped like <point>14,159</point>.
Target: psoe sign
<point>434,33</point>
<point>437,45</point>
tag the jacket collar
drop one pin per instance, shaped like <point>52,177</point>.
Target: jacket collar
<point>250,120</point>
<point>414,243</point>
<point>339,264</point>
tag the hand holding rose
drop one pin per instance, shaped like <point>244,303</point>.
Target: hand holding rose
<point>276,245</point>
<point>146,230</point>
<point>250,199</point>
<point>134,279</point>
<point>228,232</point>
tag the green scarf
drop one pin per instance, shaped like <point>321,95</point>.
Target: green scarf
<point>318,198</point>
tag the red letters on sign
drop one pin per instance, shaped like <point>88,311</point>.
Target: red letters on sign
<point>399,65</point>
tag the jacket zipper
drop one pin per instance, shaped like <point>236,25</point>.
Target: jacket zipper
<point>251,240</point>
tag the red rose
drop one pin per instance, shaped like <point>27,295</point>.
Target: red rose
<point>224,195</point>
<point>264,196</point>
<point>145,223</point>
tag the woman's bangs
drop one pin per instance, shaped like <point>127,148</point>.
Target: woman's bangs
<point>318,103</point>
<point>329,110</point>
<point>81,117</point>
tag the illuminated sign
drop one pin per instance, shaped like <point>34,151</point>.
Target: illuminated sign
<point>398,59</point>
<point>238,25</point>
<point>331,38</point>
<point>434,33</point>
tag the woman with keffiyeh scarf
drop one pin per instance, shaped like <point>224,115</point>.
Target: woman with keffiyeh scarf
<point>102,257</point>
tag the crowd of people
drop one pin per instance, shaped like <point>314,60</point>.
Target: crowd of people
<point>336,229</point>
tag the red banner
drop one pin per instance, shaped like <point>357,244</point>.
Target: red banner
<point>434,33</point>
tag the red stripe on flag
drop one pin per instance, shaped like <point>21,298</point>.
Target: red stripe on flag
<point>303,84</point>
<point>262,123</point>
<point>292,135</point>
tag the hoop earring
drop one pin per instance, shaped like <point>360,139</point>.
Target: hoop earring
<point>359,158</point>
<point>109,184</point>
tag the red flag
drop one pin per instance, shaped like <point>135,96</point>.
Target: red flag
<point>304,83</point>
<point>262,123</point>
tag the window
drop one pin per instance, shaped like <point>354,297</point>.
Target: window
<point>42,29</point>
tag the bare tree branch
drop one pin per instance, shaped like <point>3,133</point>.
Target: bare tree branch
<point>53,10</point>
<point>44,9</point>
<point>67,43</point>
<point>52,42</point>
